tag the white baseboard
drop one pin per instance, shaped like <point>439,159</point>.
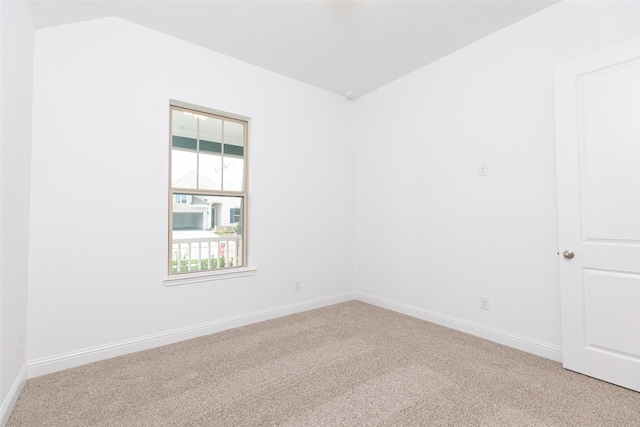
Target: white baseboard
<point>12,396</point>
<point>519,342</point>
<point>59,362</point>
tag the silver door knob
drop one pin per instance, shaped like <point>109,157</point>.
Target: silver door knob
<point>568,254</point>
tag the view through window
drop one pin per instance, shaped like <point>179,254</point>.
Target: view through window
<point>207,191</point>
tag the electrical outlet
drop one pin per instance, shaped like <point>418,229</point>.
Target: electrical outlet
<point>484,303</point>
<point>482,169</point>
<point>297,285</point>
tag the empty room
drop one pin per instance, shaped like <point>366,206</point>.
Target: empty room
<point>307,213</point>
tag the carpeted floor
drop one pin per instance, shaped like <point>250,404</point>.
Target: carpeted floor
<point>350,364</point>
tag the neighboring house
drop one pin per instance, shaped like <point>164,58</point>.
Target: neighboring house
<point>192,213</point>
<point>203,212</point>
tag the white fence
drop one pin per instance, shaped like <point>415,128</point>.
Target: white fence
<point>208,253</point>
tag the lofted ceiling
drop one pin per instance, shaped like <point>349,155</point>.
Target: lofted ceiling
<point>334,45</point>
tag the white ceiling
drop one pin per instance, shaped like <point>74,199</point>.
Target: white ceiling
<point>334,45</point>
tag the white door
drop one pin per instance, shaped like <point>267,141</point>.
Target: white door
<point>598,167</point>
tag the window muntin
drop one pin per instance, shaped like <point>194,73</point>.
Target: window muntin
<point>208,178</point>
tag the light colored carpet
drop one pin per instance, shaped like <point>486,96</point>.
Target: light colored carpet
<point>350,364</point>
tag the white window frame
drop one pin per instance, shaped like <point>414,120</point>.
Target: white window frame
<point>182,278</point>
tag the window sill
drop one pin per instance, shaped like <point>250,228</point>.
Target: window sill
<point>207,276</point>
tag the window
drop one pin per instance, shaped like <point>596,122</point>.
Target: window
<point>208,169</point>
<point>234,215</point>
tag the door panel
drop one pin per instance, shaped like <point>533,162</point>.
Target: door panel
<point>608,143</point>
<point>612,321</point>
<point>598,168</point>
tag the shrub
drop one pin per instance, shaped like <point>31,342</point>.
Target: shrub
<point>226,230</point>
<point>202,264</point>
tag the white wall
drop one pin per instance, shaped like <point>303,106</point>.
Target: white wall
<point>99,190</point>
<point>432,235</point>
<point>16,53</point>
